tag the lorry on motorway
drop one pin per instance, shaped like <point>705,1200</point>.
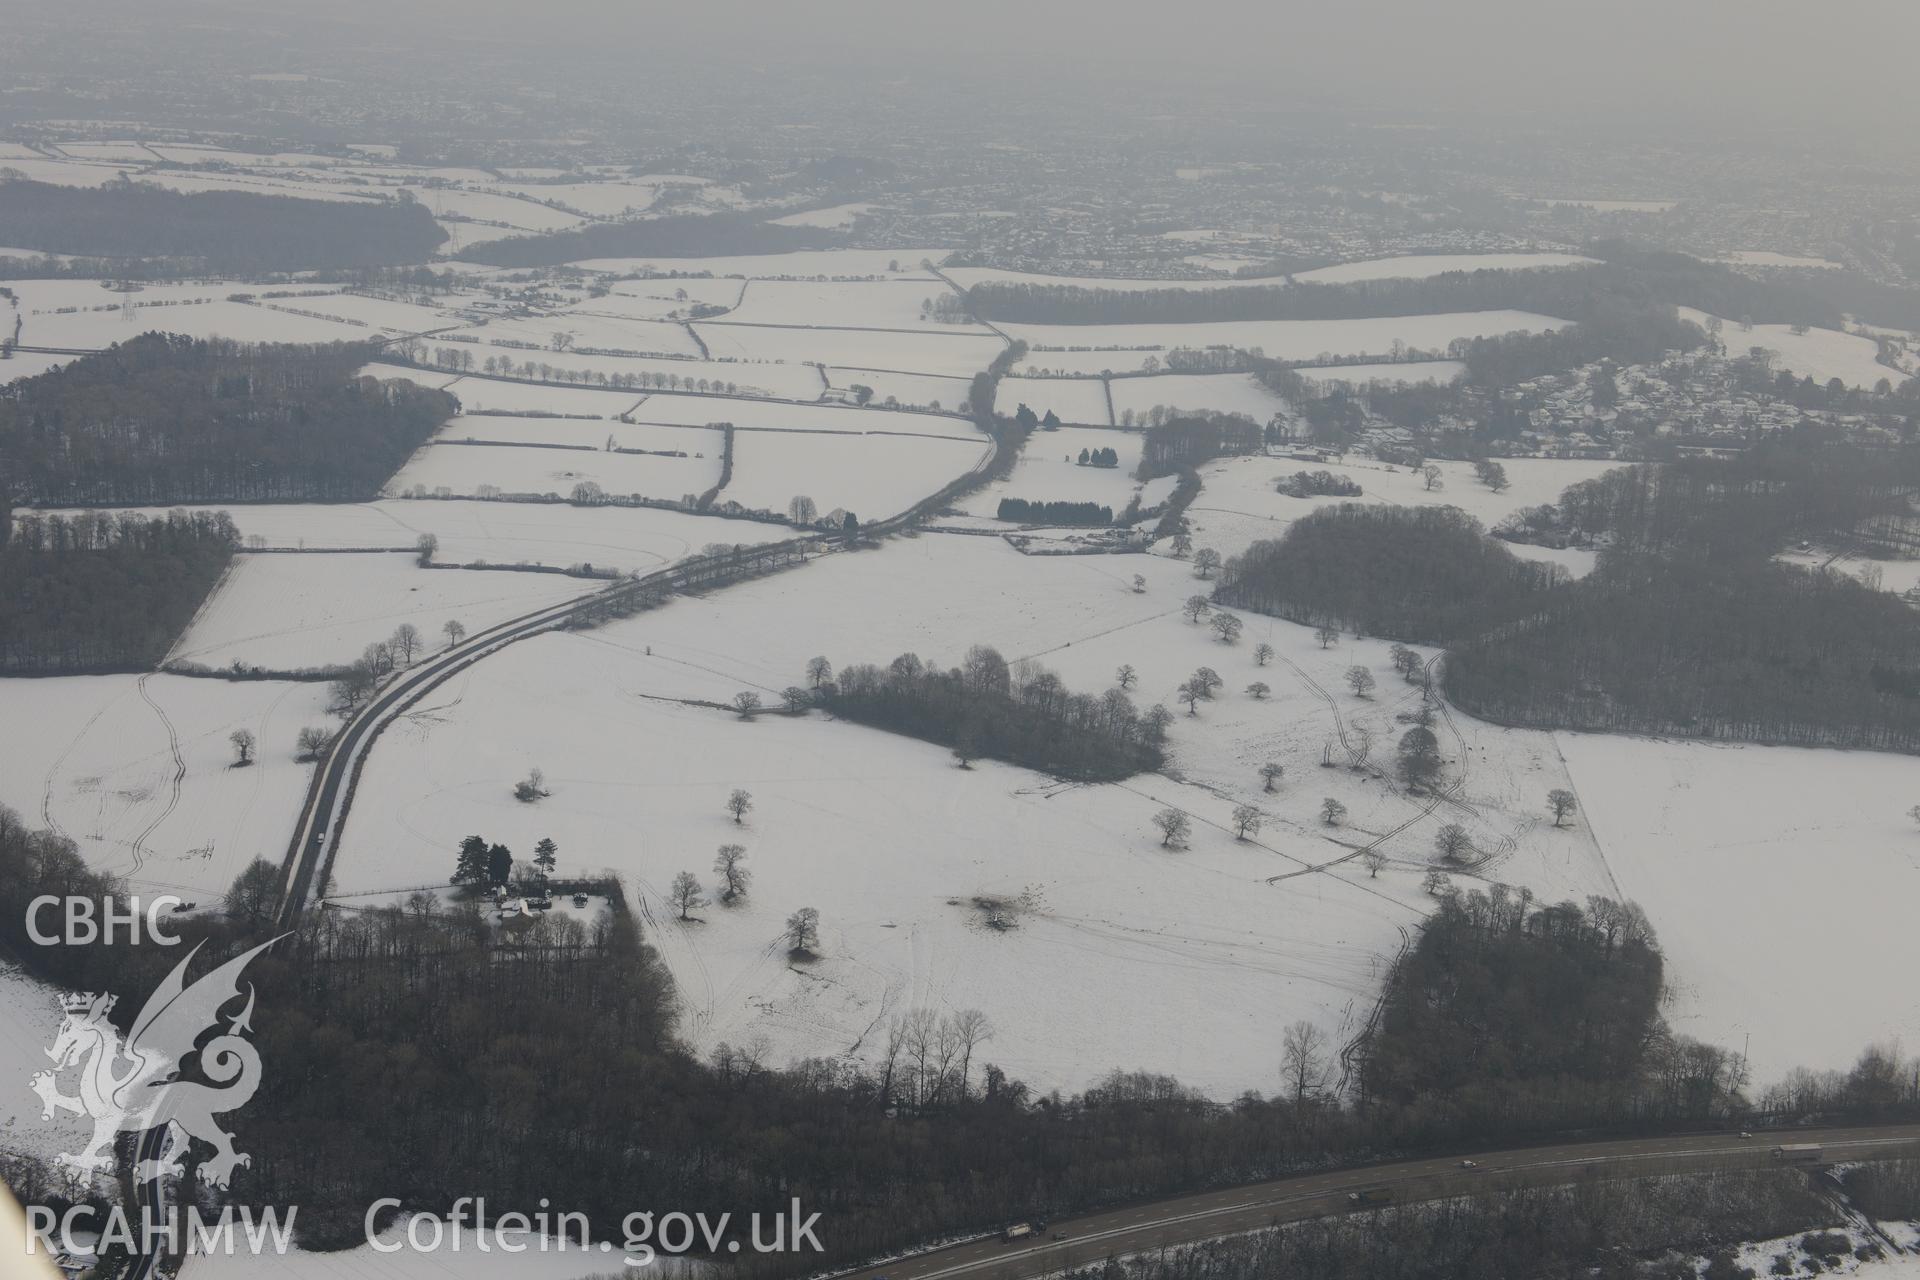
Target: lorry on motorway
<point>1798,1153</point>
<point>1018,1231</point>
<point>1370,1195</point>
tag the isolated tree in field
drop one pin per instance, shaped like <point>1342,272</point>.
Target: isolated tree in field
<point>1490,474</point>
<point>405,642</point>
<point>1182,543</point>
<point>1139,584</point>
<point>1246,821</point>
<point>685,894</point>
<point>471,866</point>
<point>1419,757</point>
<point>1227,627</point>
<point>1332,811</point>
<point>1561,804</point>
<point>1258,689</point>
<point>819,671</point>
<point>739,803</point>
<point>729,865</point>
<point>1406,662</point>
<point>1436,883</point>
<point>243,744</point>
<point>802,510</point>
<point>1303,1059</point>
<point>1376,862</point>
<point>1262,654</point>
<point>796,698</point>
<point>1205,562</point>
<point>546,856</point>
<point>1196,608</point>
<point>1126,677</point>
<point>254,895</point>
<point>1327,634</point>
<point>1452,843</point>
<point>1209,680</point>
<point>1193,693</point>
<point>746,702</point>
<point>803,932</point>
<point>311,742</point>
<point>1360,680</point>
<point>1431,474</point>
<point>1174,827</point>
<point>424,547</point>
<point>532,787</point>
<point>456,631</point>
<point>1271,772</point>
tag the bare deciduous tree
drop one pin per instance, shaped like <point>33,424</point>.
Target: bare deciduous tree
<point>734,878</point>
<point>1258,689</point>
<point>685,894</point>
<point>1246,821</point>
<point>746,702</point>
<point>1376,862</point>
<point>405,642</point>
<point>1332,811</point>
<point>1561,803</point>
<point>1452,843</point>
<point>1174,827</point>
<point>819,671</point>
<point>1205,562</point>
<point>1126,677</point>
<point>1196,608</point>
<point>243,744</point>
<point>1360,680</point>
<point>1262,654</point>
<point>1271,772</point>
<point>311,742</point>
<point>1227,627</point>
<point>1327,634</point>
<point>455,630</point>
<point>739,803</point>
<point>1304,1059</point>
<point>803,932</point>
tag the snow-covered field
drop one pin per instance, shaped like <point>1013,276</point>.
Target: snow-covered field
<point>873,476</point>
<point>878,304</point>
<point>1821,354</point>
<point>1049,471</point>
<point>1359,375</point>
<point>1238,505</point>
<point>30,1018</point>
<point>464,470</point>
<point>1219,952</point>
<point>956,354</point>
<point>1078,402</point>
<point>805,264</point>
<point>558,534</point>
<point>937,391</point>
<point>1781,881</point>
<point>1129,345</point>
<point>286,612</point>
<point>136,769</point>
<point>768,415</point>
<point>1240,393</point>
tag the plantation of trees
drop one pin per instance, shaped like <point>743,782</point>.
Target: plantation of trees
<point>1420,574</point>
<point>1024,716</point>
<point>162,419</point>
<point>232,232</point>
<point>1750,650</point>
<point>1190,440</point>
<point>1029,512</point>
<point>1312,484</point>
<point>96,592</point>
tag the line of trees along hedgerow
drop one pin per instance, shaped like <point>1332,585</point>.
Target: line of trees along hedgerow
<point>233,232</point>
<point>98,592</point>
<point>1428,575</point>
<point>691,235</point>
<point>162,419</point>
<point>1058,512</point>
<point>392,1071</point>
<point>1023,715</point>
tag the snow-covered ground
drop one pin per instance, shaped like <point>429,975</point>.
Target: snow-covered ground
<point>1127,346</point>
<point>892,843</point>
<point>768,415</point>
<point>1049,471</point>
<point>1821,354</point>
<point>960,353</point>
<point>804,264</point>
<point>287,612</point>
<point>1359,375</point>
<point>30,1018</point>
<point>464,470</point>
<point>558,534</point>
<point>1077,402</point>
<point>1240,393</point>
<point>138,771</point>
<point>1238,504</point>
<point>1423,266</point>
<point>873,476</point>
<point>877,304</point>
<point>1781,881</point>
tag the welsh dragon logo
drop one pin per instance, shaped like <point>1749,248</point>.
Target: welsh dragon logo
<point>137,1086</point>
